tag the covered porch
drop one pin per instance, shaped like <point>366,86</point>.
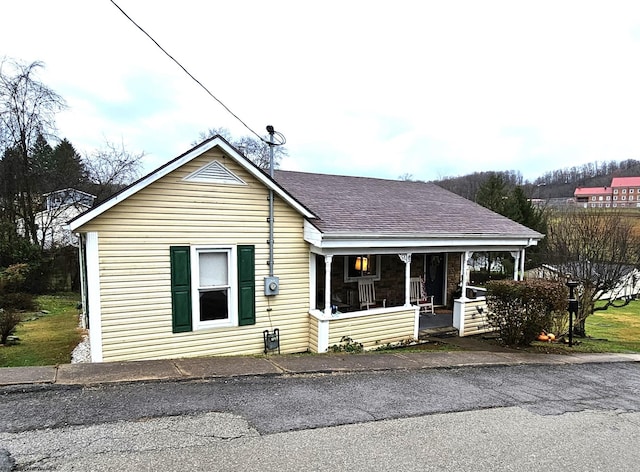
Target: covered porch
<point>395,315</point>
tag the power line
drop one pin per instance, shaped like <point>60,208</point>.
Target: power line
<point>187,72</point>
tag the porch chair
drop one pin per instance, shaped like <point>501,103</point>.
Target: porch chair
<point>366,293</point>
<point>418,295</point>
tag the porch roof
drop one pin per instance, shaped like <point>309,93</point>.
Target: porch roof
<point>358,206</point>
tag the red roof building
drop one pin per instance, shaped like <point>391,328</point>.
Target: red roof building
<point>623,193</point>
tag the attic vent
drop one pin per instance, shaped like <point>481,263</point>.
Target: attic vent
<point>214,173</point>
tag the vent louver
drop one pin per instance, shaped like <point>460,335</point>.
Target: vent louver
<point>214,173</point>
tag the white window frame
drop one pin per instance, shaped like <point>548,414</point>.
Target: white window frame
<point>600,198</point>
<point>630,190</point>
<point>624,190</point>
<point>608,197</point>
<point>232,289</point>
<point>593,198</point>
<point>615,191</point>
<point>624,197</point>
<point>615,198</point>
<point>374,277</point>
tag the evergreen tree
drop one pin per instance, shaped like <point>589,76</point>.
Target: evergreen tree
<point>67,168</point>
<point>493,193</point>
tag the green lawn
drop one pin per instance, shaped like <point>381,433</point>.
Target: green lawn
<point>620,327</point>
<point>612,330</point>
<point>48,340</point>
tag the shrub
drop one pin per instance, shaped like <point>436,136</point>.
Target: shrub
<point>347,345</point>
<point>9,321</point>
<point>520,310</point>
<point>18,301</point>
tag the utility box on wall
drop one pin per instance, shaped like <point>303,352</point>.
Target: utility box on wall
<point>271,286</point>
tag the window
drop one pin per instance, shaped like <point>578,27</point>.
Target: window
<point>615,198</point>
<point>593,198</point>
<point>600,198</point>
<point>608,197</point>
<point>630,190</point>
<point>630,197</point>
<point>615,191</point>
<point>212,297</point>
<point>212,286</point>
<point>624,197</point>
<point>624,190</point>
<point>364,266</point>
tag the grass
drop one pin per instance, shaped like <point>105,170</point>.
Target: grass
<point>49,339</point>
<point>612,330</point>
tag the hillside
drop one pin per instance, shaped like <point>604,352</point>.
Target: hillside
<point>559,183</point>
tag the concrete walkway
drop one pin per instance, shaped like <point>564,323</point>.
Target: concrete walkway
<point>212,367</point>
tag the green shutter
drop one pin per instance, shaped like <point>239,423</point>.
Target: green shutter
<point>246,285</point>
<point>181,289</point>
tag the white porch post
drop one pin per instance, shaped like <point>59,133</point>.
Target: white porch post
<point>522,264</point>
<point>516,264</point>
<point>465,273</point>
<point>327,284</point>
<point>406,258</point>
<point>313,303</point>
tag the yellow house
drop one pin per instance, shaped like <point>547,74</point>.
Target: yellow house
<point>209,255</point>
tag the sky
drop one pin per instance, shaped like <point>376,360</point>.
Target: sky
<point>371,88</point>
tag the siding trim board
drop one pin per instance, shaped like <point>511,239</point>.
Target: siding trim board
<point>93,296</point>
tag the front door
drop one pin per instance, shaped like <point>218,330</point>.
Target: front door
<point>434,276</point>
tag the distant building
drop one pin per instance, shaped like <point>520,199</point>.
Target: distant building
<point>60,206</point>
<point>624,192</point>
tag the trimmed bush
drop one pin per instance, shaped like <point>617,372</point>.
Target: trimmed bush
<point>521,310</point>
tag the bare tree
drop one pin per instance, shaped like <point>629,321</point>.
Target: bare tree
<point>111,168</point>
<point>597,248</point>
<point>27,110</point>
<point>255,150</point>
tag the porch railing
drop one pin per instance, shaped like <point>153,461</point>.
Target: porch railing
<point>373,328</point>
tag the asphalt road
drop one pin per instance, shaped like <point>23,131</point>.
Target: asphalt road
<point>480,418</point>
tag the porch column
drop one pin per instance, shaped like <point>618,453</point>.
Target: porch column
<point>327,284</point>
<point>464,270</point>
<point>406,258</point>
<point>516,264</point>
<point>522,264</point>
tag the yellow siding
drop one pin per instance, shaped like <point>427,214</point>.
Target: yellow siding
<point>475,322</point>
<point>135,293</point>
<point>374,330</point>
<point>313,334</point>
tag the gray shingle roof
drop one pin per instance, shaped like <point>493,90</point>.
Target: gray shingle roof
<point>363,205</point>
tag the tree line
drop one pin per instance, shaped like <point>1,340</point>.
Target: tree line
<point>34,161</point>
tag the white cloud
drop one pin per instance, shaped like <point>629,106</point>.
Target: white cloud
<point>367,88</point>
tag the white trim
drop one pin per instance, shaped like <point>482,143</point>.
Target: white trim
<point>312,281</point>
<point>327,285</point>
<point>389,244</point>
<point>93,295</point>
<point>323,335</point>
<point>232,305</point>
<point>179,162</point>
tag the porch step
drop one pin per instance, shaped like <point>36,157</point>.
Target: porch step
<point>440,332</point>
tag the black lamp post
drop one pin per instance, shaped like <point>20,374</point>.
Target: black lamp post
<point>573,308</point>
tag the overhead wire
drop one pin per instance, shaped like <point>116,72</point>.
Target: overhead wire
<point>191,75</point>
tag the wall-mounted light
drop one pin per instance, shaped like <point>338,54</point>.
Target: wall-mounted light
<point>362,264</point>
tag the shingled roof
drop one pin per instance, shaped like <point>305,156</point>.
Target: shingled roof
<point>363,205</point>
